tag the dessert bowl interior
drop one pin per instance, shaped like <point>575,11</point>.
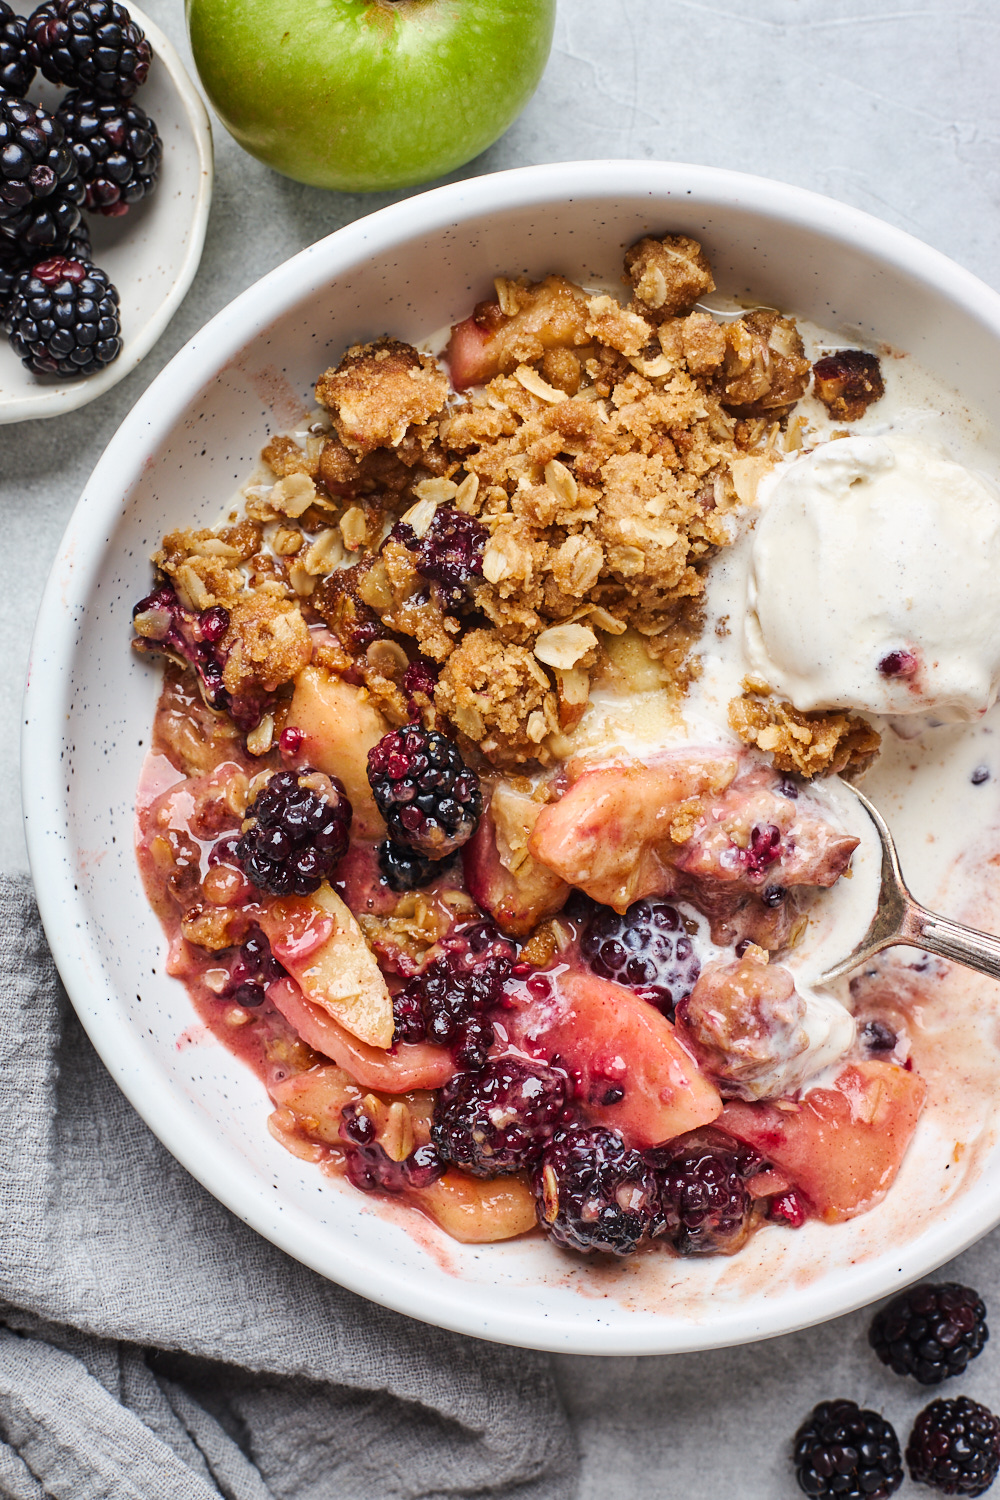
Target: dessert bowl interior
<point>176,461</point>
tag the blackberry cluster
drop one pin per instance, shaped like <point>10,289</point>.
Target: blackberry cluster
<point>254,968</point>
<point>117,149</point>
<point>955,1447</point>
<point>594,1193</point>
<point>404,869</point>
<point>16,68</point>
<point>843,1451</point>
<point>647,948</point>
<point>369,1166</point>
<point>450,553</point>
<point>498,1121</point>
<point>62,318</point>
<point>449,1001</point>
<point>428,796</point>
<point>931,1331</point>
<point>296,831</point>
<point>419,682</point>
<point>40,187</point>
<point>90,44</point>
<point>705,1200</point>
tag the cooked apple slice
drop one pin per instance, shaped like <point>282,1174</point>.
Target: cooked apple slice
<point>630,1071</point>
<point>502,876</point>
<point>340,725</point>
<point>410,1065</point>
<point>842,1146</point>
<point>477,1212</point>
<point>321,945</point>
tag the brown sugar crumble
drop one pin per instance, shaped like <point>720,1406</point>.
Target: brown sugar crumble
<point>819,743</point>
<point>496,520</point>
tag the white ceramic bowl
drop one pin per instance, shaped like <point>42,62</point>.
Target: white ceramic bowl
<point>176,459</point>
<point>151,253</point>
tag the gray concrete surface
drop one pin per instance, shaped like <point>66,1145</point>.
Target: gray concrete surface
<point>890,107</point>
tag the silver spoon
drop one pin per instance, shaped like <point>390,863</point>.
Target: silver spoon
<point>900,919</point>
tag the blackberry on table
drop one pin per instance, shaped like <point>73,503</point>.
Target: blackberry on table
<point>594,1193</point>
<point>40,187</point>
<point>843,1451</point>
<point>705,1200</point>
<point>498,1121</point>
<point>646,948</point>
<point>90,44</point>
<point>449,1001</point>
<point>931,1331</point>
<point>955,1447</point>
<point>429,798</point>
<point>295,832</point>
<point>404,869</point>
<point>62,318</point>
<point>117,148</point>
<point>16,68</point>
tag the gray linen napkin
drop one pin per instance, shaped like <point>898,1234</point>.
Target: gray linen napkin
<point>152,1347</point>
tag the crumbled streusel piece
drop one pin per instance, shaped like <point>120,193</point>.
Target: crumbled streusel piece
<point>284,456</point>
<point>765,370</point>
<point>821,743</point>
<point>498,696</point>
<point>378,390</point>
<point>267,642</point>
<point>668,275</point>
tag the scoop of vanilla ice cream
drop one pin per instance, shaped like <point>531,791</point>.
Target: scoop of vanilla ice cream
<point>875,581</point>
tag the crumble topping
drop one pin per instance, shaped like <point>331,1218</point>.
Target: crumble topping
<point>819,743</point>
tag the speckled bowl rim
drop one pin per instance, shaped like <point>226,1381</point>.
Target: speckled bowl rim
<point>64,912</point>
<point>52,401</point>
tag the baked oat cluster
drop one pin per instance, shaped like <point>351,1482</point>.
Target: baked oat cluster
<point>473,966</point>
<point>503,528</point>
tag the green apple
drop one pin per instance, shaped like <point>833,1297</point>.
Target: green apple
<point>369,94</point>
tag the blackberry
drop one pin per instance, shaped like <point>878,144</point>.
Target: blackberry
<point>843,1451</point>
<point>90,44</point>
<point>594,1193</point>
<point>449,1001</point>
<point>426,793</point>
<point>497,1121</point>
<point>40,187</point>
<point>370,1167</point>
<point>705,1200</point>
<point>117,148</point>
<point>254,968</point>
<point>62,318</point>
<point>295,833</point>
<point>419,681</point>
<point>16,68</point>
<point>404,869</point>
<point>647,949</point>
<point>450,552</point>
<point>955,1447</point>
<point>12,263</point>
<point>930,1331</point>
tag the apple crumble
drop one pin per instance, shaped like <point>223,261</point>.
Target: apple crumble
<point>484,953</point>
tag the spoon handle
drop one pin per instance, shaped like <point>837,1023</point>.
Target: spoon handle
<point>964,945</point>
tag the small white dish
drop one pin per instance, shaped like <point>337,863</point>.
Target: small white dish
<point>151,253</point>
<point>180,453</point>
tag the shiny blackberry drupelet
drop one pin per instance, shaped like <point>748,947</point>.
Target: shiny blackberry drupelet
<point>117,148</point>
<point>62,318</point>
<point>647,949</point>
<point>704,1197</point>
<point>253,969</point>
<point>16,68</point>
<point>90,44</point>
<point>930,1331</point>
<point>40,187</point>
<point>404,869</point>
<point>499,1121</point>
<point>426,793</point>
<point>843,1451</point>
<point>449,1001</point>
<point>450,553</point>
<point>955,1447</point>
<point>594,1193</point>
<point>370,1167</point>
<point>296,831</point>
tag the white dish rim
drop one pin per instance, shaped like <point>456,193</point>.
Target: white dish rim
<point>53,401</point>
<point>149,423</point>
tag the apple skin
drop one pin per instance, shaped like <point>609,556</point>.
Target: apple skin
<point>366,95</point>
